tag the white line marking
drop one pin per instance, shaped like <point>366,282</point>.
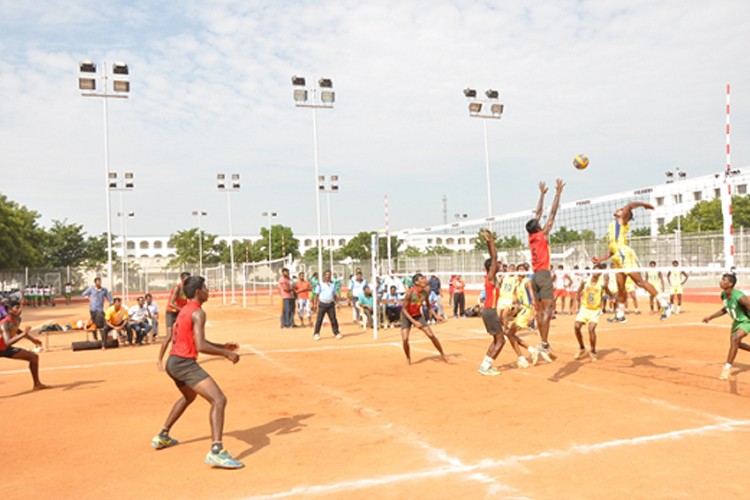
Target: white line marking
<point>514,460</point>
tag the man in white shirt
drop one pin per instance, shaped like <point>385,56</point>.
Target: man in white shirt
<point>138,315</point>
<point>153,318</point>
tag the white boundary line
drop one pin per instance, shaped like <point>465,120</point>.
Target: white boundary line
<point>514,460</point>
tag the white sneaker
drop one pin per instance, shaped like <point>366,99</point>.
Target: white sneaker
<point>339,336</point>
<point>666,312</point>
<point>725,373</point>
<point>490,370</point>
<point>593,356</point>
<point>522,363</point>
<point>316,337</point>
<point>534,356</point>
<point>580,354</point>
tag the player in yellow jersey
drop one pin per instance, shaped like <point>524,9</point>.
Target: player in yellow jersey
<point>590,296</point>
<point>506,294</point>
<point>631,295</point>
<point>624,258</point>
<point>657,281</point>
<point>523,309</point>
<point>676,279</point>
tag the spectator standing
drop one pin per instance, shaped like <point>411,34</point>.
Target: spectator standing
<point>436,288</point>
<point>358,289</point>
<point>302,290</point>
<point>328,298</point>
<point>285,290</point>
<point>68,290</point>
<point>97,295</point>
<point>459,297</point>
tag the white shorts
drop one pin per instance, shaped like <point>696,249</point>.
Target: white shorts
<point>504,303</point>
<point>303,308</point>
<point>587,316</point>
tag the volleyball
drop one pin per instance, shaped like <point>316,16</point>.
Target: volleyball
<point>581,161</point>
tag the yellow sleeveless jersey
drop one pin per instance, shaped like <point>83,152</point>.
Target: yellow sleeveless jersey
<point>617,235</point>
<point>523,296</point>
<point>508,287</point>
<point>592,294</point>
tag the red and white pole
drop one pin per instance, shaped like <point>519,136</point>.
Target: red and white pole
<point>726,200</point>
<point>388,236</point>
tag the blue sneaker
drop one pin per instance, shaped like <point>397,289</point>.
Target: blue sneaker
<point>159,442</point>
<point>223,460</point>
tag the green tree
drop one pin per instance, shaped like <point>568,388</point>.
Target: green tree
<point>411,251</point>
<point>66,245</point>
<point>438,250</point>
<point>95,254</point>
<point>283,242</point>
<point>21,239</point>
<point>641,231</point>
<point>358,248</point>
<point>187,248</point>
<point>707,216</point>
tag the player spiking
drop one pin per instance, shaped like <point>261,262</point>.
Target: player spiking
<point>624,258</point>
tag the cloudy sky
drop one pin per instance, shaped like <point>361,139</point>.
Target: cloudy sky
<point>639,86</point>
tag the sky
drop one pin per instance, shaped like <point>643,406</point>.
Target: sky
<point>638,86</point>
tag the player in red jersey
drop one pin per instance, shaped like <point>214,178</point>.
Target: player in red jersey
<point>541,282</point>
<point>188,339</point>
<point>411,315</point>
<point>10,333</point>
<point>489,314</point>
<point>177,300</point>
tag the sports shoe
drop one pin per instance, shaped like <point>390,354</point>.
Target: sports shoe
<point>615,319</point>
<point>223,460</point>
<point>580,354</point>
<point>522,363</point>
<point>666,312</point>
<point>160,442</point>
<point>592,356</point>
<point>725,373</point>
<point>339,336</point>
<point>490,370</point>
<point>547,354</point>
<point>534,356</point>
<point>316,337</point>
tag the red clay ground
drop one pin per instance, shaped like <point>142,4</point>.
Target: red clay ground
<point>348,419</point>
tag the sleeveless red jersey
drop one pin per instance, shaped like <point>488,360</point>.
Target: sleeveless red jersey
<point>413,302</point>
<point>3,346</point>
<point>489,292</point>
<point>181,299</point>
<point>540,258</point>
<point>183,340</point>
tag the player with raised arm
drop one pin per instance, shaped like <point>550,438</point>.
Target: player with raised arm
<point>489,313</point>
<point>624,258</point>
<point>737,304</point>
<point>541,282</point>
<point>411,315</point>
<point>188,338</point>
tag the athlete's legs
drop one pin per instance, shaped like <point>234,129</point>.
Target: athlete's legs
<point>405,342</point>
<point>212,393</point>
<point>33,360</point>
<point>188,396</point>
<point>543,315</point>
<point>592,336</point>
<point>579,336</point>
<point>498,341</point>
<point>428,331</point>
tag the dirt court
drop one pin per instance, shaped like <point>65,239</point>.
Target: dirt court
<point>349,419</point>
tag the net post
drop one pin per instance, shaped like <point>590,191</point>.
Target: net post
<point>375,305</point>
<point>244,286</point>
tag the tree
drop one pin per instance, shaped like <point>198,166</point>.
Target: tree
<point>438,250</point>
<point>95,254</point>
<point>707,216</point>
<point>21,239</point>
<point>358,248</point>
<point>641,231</point>
<point>66,245</point>
<point>565,235</point>
<point>187,248</point>
<point>283,242</point>
<point>411,251</point>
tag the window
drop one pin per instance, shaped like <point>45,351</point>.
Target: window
<point>697,195</point>
<point>717,193</point>
<point>659,201</point>
<point>144,245</point>
<point>462,241</point>
<point>157,245</point>
<point>308,242</point>
<point>677,198</point>
<point>439,241</point>
<point>429,241</point>
<point>342,242</point>
<point>741,188</point>
<point>131,245</point>
<point>449,241</point>
<point>144,256</point>
<point>171,245</point>
<point>660,221</point>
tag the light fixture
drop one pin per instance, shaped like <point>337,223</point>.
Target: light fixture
<point>300,95</point>
<point>325,83</point>
<point>327,97</point>
<point>492,94</point>
<point>298,81</point>
<point>470,93</point>
<point>87,66</point>
<point>86,84</point>
<point>475,107</point>
<point>121,86</point>
<point>120,68</point>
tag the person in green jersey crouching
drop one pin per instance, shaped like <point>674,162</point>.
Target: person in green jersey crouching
<point>737,305</point>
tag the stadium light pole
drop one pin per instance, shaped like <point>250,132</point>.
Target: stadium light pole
<point>495,112</point>
<point>127,183</point>
<point>315,98</point>
<point>329,185</point>
<point>120,88</point>
<point>200,214</point>
<point>229,187</point>
<point>269,216</point>
<point>124,216</point>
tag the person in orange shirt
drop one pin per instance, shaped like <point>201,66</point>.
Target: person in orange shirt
<point>459,298</point>
<point>177,300</point>
<point>302,289</point>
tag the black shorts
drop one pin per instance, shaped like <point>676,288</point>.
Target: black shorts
<point>541,285</point>
<point>406,324</point>
<point>492,321</point>
<point>171,316</point>
<point>9,352</point>
<point>185,371</point>
<point>97,318</point>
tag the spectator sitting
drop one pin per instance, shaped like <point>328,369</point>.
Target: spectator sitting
<point>153,315</point>
<point>393,303</point>
<point>116,318</point>
<point>365,303</point>
<point>138,321</point>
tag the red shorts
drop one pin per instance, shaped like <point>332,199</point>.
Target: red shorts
<point>560,292</point>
